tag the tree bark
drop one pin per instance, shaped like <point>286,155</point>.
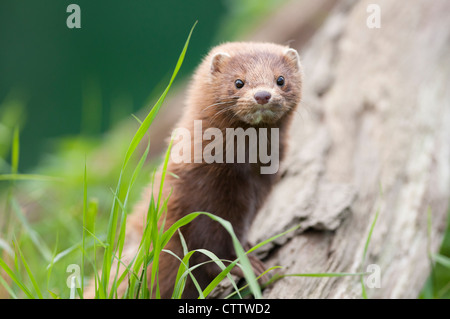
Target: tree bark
<point>372,135</point>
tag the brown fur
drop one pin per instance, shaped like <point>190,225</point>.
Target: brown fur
<point>233,191</point>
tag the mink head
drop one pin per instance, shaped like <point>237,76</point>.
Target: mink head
<point>255,83</point>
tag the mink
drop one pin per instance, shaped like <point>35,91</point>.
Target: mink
<point>238,85</point>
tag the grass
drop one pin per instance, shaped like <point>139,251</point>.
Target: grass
<point>437,285</point>
<point>76,219</point>
<point>21,281</point>
<point>152,243</point>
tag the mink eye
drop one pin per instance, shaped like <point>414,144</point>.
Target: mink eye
<point>280,81</point>
<point>239,83</point>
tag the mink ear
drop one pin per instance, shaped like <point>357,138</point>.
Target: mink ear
<point>218,60</point>
<point>293,57</point>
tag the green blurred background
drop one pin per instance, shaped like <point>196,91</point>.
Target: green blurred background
<point>64,81</point>
<point>70,95</point>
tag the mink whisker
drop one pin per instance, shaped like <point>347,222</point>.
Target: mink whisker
<point>216,104</point>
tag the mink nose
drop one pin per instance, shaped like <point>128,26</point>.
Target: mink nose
<point>262,97</point>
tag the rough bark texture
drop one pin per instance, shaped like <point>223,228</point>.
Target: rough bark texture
<point>375,115</point>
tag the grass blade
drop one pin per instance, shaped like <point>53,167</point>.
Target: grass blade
<point>30,274</point>
<point>28,177</point>
<point>441,259</point>
<point>272,239</point>
<point>143,128</point>
<point>8,288</point>
<point>326,274</point>
<point>16,280</point>
<point>369,236</point>
<point>225,272</point>
<point>83,244</point>
<point>151,116</point>
<point>240,253</point>
<point>15,152</point>
<point>38,242</point>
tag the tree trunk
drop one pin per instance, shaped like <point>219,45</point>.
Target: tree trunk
<point>372,135</point>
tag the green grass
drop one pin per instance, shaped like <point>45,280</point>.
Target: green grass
<point>437,285</point>
<point>19,273</point>
<point>67,212</point>
<point>96,252</point>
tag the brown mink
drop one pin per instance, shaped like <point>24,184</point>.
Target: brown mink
<point>237,85</point>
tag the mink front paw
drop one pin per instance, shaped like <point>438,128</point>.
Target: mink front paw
<point>258,268</point>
